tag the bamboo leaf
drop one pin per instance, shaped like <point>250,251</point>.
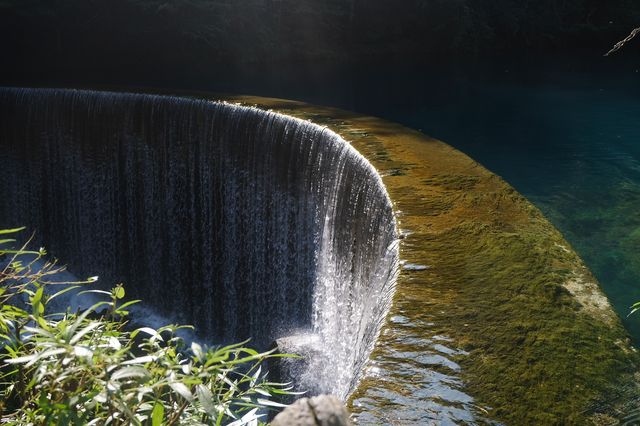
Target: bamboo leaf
<point>269,403</point>
<point>249,418</point>
<point>39,330</point>
<point>82,352</point>
<point>72,329</point>
<point>255,376</point>
<point>197,350</point>
<point>21,359</point>
<point>132,302</point>
<point>262,392</point>
<point>95,291</point>
<point>45,354</point>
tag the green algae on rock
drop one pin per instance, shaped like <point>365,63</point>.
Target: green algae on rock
<point>538,342</point>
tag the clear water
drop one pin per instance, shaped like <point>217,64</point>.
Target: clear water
<point>570,142</point>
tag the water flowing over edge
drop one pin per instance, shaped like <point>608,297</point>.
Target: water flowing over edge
<point>243,222</point>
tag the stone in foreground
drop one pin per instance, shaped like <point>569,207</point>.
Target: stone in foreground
<point>323,410</point>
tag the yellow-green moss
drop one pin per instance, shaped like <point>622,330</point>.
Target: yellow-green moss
<point>544,345</point>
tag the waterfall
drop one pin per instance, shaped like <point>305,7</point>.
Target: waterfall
<point>242,222</point>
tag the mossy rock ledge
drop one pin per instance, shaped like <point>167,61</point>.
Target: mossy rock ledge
<point>538,341</point>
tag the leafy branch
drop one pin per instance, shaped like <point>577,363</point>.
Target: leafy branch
<point>86,368</point>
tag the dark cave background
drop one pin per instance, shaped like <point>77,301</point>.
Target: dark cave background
<point>204,44</point>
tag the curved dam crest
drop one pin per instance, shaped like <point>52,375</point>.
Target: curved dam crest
<point>242,222</point>
<point>495,316</point>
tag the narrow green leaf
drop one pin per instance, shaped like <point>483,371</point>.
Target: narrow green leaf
<point>206,399</point>
<point>39,330</point>
<point>130,372</point>
<point>95,291</point>
<point>140,360</point>
<point>63,291</point>
<point>12,231</point>
<point>197,350</point>
<point>182,390</point>
<point>269,403</point>
<point>147,330</point>
<point>157,414</point>
<point>72,328</point>
<point>20,252</point>
<point>21,359</point>
<point>83,352</point>
<point>249,418</point>
<point>255,376</point>
<point>37,297</point>
<point>47,353</point>
<point>262,392</point>
<point>92,325</point>
<point>132,302</point>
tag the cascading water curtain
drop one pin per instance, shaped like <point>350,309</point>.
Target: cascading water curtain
<point>243,222</point>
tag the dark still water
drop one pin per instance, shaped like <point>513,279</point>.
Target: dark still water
<point>565,133</point>
<point>570,142</point>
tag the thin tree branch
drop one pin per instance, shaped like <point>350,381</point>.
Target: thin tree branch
<point>621,43</point>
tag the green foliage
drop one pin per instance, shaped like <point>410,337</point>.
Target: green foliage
<point>87,368</point>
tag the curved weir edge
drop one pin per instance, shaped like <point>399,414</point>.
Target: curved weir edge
<point>243,222</point>
<point>536,339</point>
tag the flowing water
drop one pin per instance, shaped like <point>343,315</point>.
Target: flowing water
<point>245,223</point>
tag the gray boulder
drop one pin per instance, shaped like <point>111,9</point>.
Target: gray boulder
<point>322,410</point>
